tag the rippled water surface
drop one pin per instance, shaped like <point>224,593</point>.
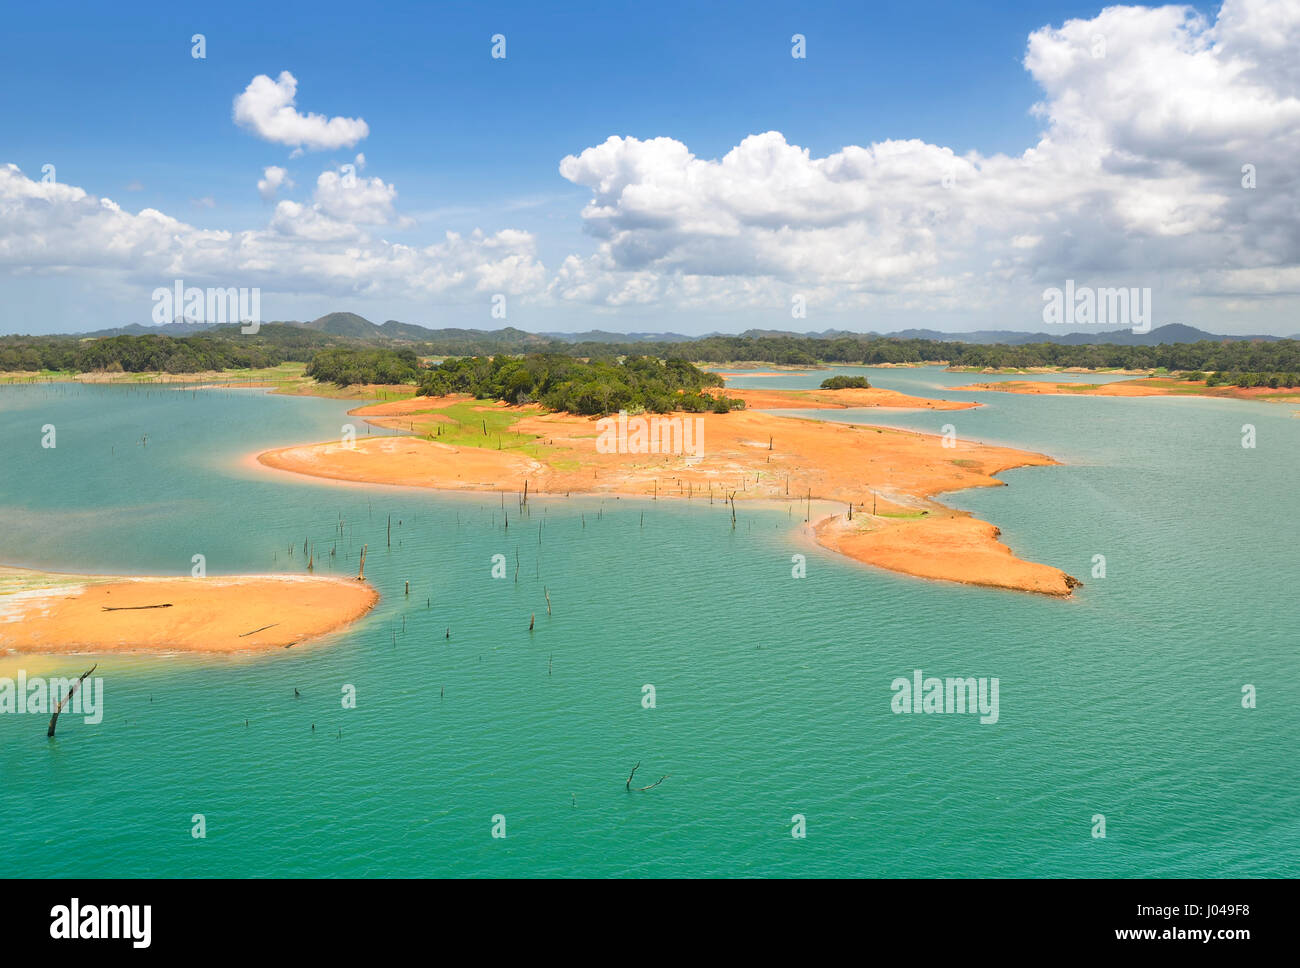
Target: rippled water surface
<point>773,694</point>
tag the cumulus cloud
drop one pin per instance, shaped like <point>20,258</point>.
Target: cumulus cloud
<point>273,178</point>
<point>343,195</point>
<point>1138,173</point>
<point>55,227</point>
<point>267,108</point>
<point>342,207</point>
<point>1138,177</point>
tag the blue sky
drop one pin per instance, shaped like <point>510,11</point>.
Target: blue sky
<point>113,98</point>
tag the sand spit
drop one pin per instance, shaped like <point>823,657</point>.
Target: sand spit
<point>745,455</point>
<point>49,613</point>
<point>847,399</point>
<point>1146,387</point>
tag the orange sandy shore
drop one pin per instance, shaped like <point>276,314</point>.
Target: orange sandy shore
<point>745,454</point>
<point>49,613</point>
<point>1147,387</point>
<point>850,398</point>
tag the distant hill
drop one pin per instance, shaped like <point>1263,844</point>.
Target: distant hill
<point>167,329</point>
<point>1171,333</point>
<point>404,331</point>
<point>452,340</point>
<point>824,334</point>
<point>509,339</point>
<point>603,336</point>
<point>343,324</point>
<point>192,347</point>
<point>135,329</point>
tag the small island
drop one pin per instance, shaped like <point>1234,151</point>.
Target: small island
<point>42,612</point>
<point>523,426</point>
<point>846,383</point>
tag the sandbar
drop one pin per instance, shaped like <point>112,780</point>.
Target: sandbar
<point>41,612</point>
<point>888,477</point>
<point>1145,387</point>
<point>846,399</point>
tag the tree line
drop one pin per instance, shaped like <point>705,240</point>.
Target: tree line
<point>346,366</point>
<point>586,387</point>
<point>135,354</point>
<point>221,348</point>
<point>347,359</point>
<point>846,383</point>
<point>1236,356</point>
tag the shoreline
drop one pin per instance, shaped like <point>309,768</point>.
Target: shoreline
<point>51,613</point>
<point>1142,387</point>
<point>852,398</point>
<point>839,464</point>
<point>289,380</point>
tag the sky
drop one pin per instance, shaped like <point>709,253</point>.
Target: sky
<point>647,168</point>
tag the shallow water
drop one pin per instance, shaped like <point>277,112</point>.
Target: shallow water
<point>773,693</point>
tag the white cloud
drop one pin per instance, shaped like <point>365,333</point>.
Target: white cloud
<point>1135,179</point>
<point>273,178</point>
<point>1136,175</point>
<point>342,207</point>
<point>57,228</point>
<point>345,196</point>
<point>266,108</point>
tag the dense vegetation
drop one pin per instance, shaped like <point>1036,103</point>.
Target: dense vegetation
<point>343,358</point>
<point>1232,360</point>
<point>1271,380</point>
<point>1236,356</point>
<point>1228,357</point>
<point>597,387</point>
<point>347,366</point>
<point>846,383</point>
<point>222,348</point>
<point>136,354</point>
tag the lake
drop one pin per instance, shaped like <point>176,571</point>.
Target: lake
<point>772,694</point>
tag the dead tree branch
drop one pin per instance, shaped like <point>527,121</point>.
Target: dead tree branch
<point>54,720</point>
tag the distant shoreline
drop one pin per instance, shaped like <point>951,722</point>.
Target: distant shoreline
<point>1146,387</point>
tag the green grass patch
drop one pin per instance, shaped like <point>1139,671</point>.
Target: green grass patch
<point>468,424</point>
<point>41,376</point>
<point>1175,390</point>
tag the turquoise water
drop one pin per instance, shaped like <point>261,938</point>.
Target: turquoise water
<point>773,694</point>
